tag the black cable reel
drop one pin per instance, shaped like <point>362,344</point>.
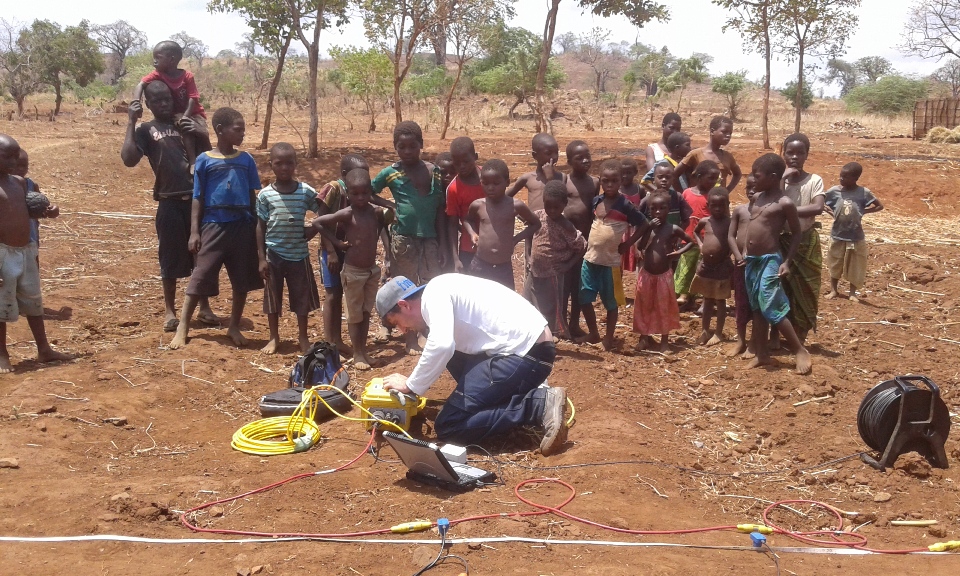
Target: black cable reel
<point>899,416</point>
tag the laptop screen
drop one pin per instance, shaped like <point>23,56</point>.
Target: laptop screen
<point>422,457</point>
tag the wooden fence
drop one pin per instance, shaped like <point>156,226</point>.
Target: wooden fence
<point>940,112</point>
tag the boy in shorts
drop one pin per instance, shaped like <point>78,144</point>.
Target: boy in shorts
<point>712,278</point>
<point>19,265</point>
<point>462,191</point>
<point>223,229</point>
<point>847,256</point>
<point>771,214</point>
<point>582,189</point>
<point>188,114</point>
<point>282,246</point>
<point>163,146</point>
<point>362,224</point>
<point>600,274</point>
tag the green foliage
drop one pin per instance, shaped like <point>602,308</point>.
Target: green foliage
<point>732,86</point>
<point>365,73</point>
<point>649,66</point>
<point>843,73</point>
<point>687,70</point>
<point>511,66</point>
<point>872,68</point>
<point>269,20</point>
<point>890,95</point>
<point>790,93</point>
<point>637,12</point>
<point>429,82</point>
<point>138,65</point>
<point>56,54</point>
<point>95,93</point>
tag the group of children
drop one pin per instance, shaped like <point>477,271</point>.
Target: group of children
<point>580,232</point>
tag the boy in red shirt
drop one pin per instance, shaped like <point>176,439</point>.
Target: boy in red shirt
<point>189,116</point>
<point>464,189</point>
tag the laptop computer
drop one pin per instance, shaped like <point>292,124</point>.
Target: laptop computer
<point>426,464</point>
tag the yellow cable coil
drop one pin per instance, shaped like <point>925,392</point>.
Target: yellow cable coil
<point>297,432</point>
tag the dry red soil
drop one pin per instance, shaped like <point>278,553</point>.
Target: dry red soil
<point>710,440</point>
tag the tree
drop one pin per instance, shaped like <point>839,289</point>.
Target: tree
<point>949,74</point>
<point>890,95</point>
<point>933,29</point>
<point>842,73</point>
<point>20,78</point>
<point>398,27</point>
<point>192,47</point>
<point>272,27</point>
<point>805,98</point>
<point>512,66</point>
<point>752,19</point>
<point>873,67</point>
<point>732,86</point>
<point>811,28</point>
<point>365,73</point>
<point>567,42</point>
<point>119,39</point>
<point>591,50</point>
<point>638,12</point>
<point>476,24</point>
<point>650,66</point>
<point>247,48</point>
<point>688,70</point>
<point>315,14</point>
<point>57,54</point>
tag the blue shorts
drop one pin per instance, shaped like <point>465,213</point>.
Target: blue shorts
<point>330,281</point>
<point>603,281</point>
<point>764,288</point>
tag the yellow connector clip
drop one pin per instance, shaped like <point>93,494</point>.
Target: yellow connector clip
<point>944,546</point>
<point>408,527</point>
<point>748,528</point>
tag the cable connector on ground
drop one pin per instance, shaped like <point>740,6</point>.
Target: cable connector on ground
<point>748,528</point>
<point>443,524</point>
<point>944,546</point>
<point>408,527</point>
<point>758,539</point>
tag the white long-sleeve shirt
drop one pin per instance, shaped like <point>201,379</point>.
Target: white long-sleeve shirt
<point>473,316</point>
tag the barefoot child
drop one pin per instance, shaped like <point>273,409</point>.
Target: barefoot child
<point>712,279</point>
<point>770,215</point>
<point>737,235</point>
<point>655,309</point>
<point>582,189</point>
<point>557,247</point>
<point>362,223</point>
<point>803,283</point>
<point>707,173</point>
<point>19,264</point>
<point>223,229</point>
<point>490,225</point>
<point>546,153</point>
<point>188,114</point>
<point>282,246</point>
<point>847,257</point>
<point>421,224</point>
<point>163,146</point>
<point>462,191</point>
<point>600,273</point>
<point>721,129</point>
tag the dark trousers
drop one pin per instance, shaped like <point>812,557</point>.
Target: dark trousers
<point>494,394</point>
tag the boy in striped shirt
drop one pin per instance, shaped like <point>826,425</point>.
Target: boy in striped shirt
<point>282,246</point>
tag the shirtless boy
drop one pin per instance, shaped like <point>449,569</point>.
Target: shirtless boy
<point>545,152</point>
<point>19,267</point>
<point>772,212</point>
<point>489,224</point>
<point>582,189</point>
<point>362,223</point>
<point>712,279</point>
<point>737,235</point>
<point>655,309</point>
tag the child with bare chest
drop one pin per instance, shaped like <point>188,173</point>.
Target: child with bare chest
<point>712,278</point>
<point>362,223</point>
<point>490,224</point>
<point>771,214</point>
<point>743,314</point>
<point>655,307</point>
<point>582,188</point>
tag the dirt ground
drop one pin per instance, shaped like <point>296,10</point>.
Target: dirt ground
<point>708,441</point>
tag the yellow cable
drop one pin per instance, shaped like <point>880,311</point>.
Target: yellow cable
<point>573,413</point>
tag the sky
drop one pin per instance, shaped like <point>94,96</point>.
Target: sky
<point>695,26</point>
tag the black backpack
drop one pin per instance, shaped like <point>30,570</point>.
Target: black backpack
<point>320,365</point>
